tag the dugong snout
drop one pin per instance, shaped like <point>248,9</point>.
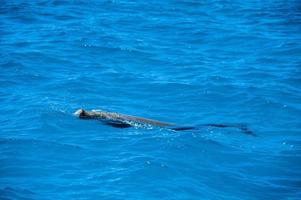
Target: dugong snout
<point>80,113</point>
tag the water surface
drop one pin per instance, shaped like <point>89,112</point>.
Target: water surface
<point>186,62</point>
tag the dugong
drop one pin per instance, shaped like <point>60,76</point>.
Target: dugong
<point>119,120</point>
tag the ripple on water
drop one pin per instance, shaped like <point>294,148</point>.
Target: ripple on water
<point>186,62</point>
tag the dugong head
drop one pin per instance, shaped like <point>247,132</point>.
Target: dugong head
<point>81,113</point>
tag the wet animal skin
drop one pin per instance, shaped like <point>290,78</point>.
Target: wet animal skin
<point>125,121</point>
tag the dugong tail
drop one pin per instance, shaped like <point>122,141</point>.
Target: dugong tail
<point>242,127</point>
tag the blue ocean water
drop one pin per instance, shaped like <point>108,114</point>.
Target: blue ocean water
<point>187,62</point>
